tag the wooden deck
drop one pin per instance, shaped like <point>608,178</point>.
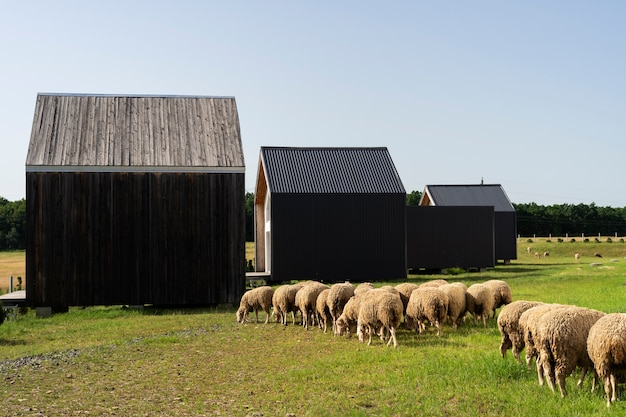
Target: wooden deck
<point>12,298</point>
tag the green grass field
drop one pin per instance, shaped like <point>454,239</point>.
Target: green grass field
<point>103,361</point>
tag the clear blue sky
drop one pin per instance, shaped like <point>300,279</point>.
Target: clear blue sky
<point>527,94</point>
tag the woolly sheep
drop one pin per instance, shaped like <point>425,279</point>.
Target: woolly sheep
<point>405,289</point>
<point>577,256</point>
<point>427,303</point>
<point>480,301</point>
<point>563,344</point>
<point>347,321</point>
<point>508,324</point>
<point>457,302</point>
<point>306,300</point>
<point>434,283</point>
<point>379,309</point>
<point>363,287</point>
<point>501,293</point>
<point>284,302</point>
<point>338,296</point>
<point>322,310</point>
<point>259,298</point>
<point>606,345</point>
<point>528,327</point>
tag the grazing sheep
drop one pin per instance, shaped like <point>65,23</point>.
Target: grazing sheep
<point>457,302</point>
<point>259,298</point>
<point>427,303</point>
<point>338,296</point>
<point>537,255</point>
<point>563,344</point>
<point>381,310</point>
<point>546,254</point>
<point>480,300</point>
<point>501,294</point>
<point>363,287</point>
<point>597,255</point>
<point>405,289</point>
<point>508,324</point>
<point>322,310</point>
<point>529,249</point>
<point>577,256</point>
<point>284,302</point>
<point>306,300</point>
<point>606,345</point>
<point>346,323</point>
<point>434,283</point>
<point>528,326</point>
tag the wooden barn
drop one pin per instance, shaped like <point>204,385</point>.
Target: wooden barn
<point>441,237</point>
<point>134,200</point>
<point>491,195</point>
<point>329,214</point>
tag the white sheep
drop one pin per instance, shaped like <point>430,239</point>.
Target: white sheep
<point>347,321</point>
<point>434,283</point>
<point>480,299</point>
<point>577,256</point>
<point>606,345</point>
<point>259,298</point>
<point>363,287</point>
<point>528,326</point>
<point>379,310</point>
<point>306,300</point>
<point>427,304</point>
<point>322,310</point>
<point>563,344</point>
<point>501,293</point>
<point>508,324</point>
<point>405,289</point>
<point>284,302</point>
<point>457,302</point>
<point>338,296</point>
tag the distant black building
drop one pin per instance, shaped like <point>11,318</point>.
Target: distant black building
<point>492,195</point>
<point>329,214</point>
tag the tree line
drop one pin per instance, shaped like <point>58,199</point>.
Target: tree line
<point>532,219</point>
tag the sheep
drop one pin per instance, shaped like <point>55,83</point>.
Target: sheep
<point>563,344</point>
<point>306,300</point>
<point>284,302</point>
<point>537,255</point>
<point>338,296</point>
<point>508,324</point>
<point>427,303</point>
<point>434,283</point>
<point>480,299</point>
<point>259,298</point>
<point>528,327</point>
<point>346,323</point>
<point>577,256</point>
<point>606,345</point>
<point>405,289</point>
<point>322,310</point>
<point>382,310</point>
<point>501,293</point>
<point>546,254</point>
<point>363,287</point>
<point>457,302</point>
<point>529,249</point>
<point>597,255</point>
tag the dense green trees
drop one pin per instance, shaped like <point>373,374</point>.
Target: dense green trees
<point>12,224</point>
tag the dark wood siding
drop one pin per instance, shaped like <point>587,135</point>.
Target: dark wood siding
<point>506,235</point>
<point>337,237</point>
<point>134,238</point>
<point>450,236</point>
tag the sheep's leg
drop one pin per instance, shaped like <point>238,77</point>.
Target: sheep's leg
<point>540,372</point>
<point>561,381</point>
<point>256,313</point>
<point>613,381</point>
<point>370,330</point>
<point>392,337</point>
<point>583,372</point>
<point>267,315</point>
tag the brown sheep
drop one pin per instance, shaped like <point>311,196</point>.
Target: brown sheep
<point>256,299</point>
<point>508,324</point>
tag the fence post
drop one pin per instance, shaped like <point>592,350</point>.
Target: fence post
<point>11,284</point>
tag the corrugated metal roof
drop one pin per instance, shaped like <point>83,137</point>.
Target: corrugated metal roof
<point>469,195</point>
<point>330,170</point>
<point>80,132</point>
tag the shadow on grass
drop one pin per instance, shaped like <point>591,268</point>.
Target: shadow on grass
<point>6,342</point>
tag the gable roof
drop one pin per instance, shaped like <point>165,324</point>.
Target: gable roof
<point>467,195</point>
<point>329,170</point>
<point>93,133</point>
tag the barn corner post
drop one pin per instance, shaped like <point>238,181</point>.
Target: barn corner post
<point>134,200</point>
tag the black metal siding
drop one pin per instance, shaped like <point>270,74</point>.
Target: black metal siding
<point>450,236</point>
<point>134,238</point>
<point>506,235</point>
<point>336,237</point>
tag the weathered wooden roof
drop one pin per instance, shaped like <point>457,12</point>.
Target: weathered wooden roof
<point>329,170</point>
<point>467,195</point>
<point>75,132</point>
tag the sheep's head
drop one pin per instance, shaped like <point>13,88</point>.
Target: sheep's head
<point>241,315</point>
<point>341,326</point>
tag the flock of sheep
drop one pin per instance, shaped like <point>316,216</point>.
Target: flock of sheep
<point>367,311</point>
<point>559,337</point>
<point>562,338</point>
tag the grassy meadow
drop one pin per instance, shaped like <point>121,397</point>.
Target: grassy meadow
<point>104,361</point>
